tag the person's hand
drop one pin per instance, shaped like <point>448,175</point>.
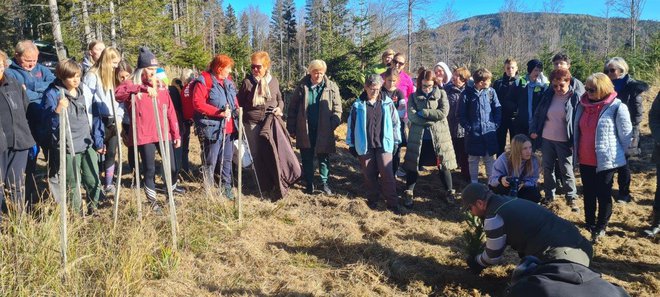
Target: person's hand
<point>101,151</point>
<point>152,91</point>
<point>420,114</point>
<point>353,151</point>
<point>24,88</point>
<point>504,182</point>
<point>277,111</point>
<point>177,143</point>
<point>474,266</point>
<point>533,135</point>
<point>62,104</point>
<point>293,135</point>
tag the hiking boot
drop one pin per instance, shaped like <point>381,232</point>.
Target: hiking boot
<point>450,198</point>
<point>108,190</point>
<point>623,199</point>
<point>326,189</point>
<point>396,209</point>
<point>373,205</point>
<point>408,198</point>
<point>597,235</point>
<point>547,201</point>
<point>572,204</point>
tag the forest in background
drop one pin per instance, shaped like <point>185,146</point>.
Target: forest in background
<point>348,35</point>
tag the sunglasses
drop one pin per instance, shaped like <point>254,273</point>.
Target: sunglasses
<point>399,63</point>
<point>258,67</point>
<point>612,70</point>
<point>590,90</point>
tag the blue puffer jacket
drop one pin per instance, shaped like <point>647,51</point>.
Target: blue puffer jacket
<point>613,134</point>
<point>480,113</point>
<point>356,136</point>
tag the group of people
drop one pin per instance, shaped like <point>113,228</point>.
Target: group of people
<point>445,118</point>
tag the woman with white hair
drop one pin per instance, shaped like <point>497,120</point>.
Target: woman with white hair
<point>629,91</point>
<point>314,114</point>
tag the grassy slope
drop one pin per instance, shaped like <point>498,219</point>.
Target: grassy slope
<point>301,246</point>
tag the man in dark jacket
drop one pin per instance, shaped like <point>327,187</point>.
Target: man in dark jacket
<point>15,135</point>
<point>527,227</point>
<point>558,279</point>
<point>654,124</point>
<point>34,78</point>
<point>504,88</point>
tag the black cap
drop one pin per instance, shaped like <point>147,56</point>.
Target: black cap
<point>146,58</point>
<point>472,193</point>
<point>534,63</point>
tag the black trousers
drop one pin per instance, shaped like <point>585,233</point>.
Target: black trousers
<point>148,160</point>
<point>597,190</point>
<point>528,193</point>
<point>505,126</point>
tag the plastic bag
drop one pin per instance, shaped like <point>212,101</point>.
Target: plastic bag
<point>246,157</point>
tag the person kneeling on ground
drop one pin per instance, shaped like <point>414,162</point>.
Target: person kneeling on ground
<point>373,134</point>
<point>530,229</point>
<point>516,172</point>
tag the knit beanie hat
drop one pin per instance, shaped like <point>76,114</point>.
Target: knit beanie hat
<point>534,63</point>
<point>146,58</point>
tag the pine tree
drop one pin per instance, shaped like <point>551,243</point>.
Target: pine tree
<point>244,25</point>
<point>230,22</point>
<point>276,38</point>
<point>290,31</point>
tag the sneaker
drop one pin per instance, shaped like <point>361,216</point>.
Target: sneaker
<point>179,190</point>
<point>572,204</point>
<point>450,198</point>
<point>309,189</point>
<point>408,198</point>
<point>623,199</point>
<point>653,231</point>
<point>597,235</point>
<point>108,190</point>
<point>326,189</point>
<point>400,172</point>
<point>547,201</point>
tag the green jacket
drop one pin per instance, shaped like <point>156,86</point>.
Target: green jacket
<point>434,111</point>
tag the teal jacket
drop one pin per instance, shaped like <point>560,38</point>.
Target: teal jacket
<point>357,126</point>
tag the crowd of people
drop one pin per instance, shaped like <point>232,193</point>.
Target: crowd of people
<point>446,118</point>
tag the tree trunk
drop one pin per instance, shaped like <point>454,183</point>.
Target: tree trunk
<point>175,22</point>
<point>99,27</point>
<point>113,21</point>
<point>57,31</point>
<point>410,30</point>
<point>87,28</point>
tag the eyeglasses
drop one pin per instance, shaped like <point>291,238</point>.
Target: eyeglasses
<point>425,86</point>
<point>590,90</point>
<point>258,67</point>
<point>558,85</point>
<point>398,63</point>
<point>612,70</point>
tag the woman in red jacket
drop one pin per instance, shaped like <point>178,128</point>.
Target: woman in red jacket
<point>215,105</point>
<point>144,85</point>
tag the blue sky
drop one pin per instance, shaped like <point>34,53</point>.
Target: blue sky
<point>468,8</point>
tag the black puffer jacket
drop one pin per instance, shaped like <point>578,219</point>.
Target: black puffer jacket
<point>631,95</point>
<point>16,98</point>
<point>454,98</point>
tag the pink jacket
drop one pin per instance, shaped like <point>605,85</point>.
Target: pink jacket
<point>405,84</point>
<point>144,112</point>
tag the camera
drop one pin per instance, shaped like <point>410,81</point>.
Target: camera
<point>514,183</point>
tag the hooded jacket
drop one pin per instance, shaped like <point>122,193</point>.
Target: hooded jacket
<point>36,81</point>
<point>445,68</point>
<point>480,114</point>
<point>559,279</point>
<point>144,113</point>
<point>16,98</point>
<point>612,135</point>
<point>96,95</point>
<point>84,133</point>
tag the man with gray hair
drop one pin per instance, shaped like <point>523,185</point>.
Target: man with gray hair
<point>373,134</point>
<point>34,78</point>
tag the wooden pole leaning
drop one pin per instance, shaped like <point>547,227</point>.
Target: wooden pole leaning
<point>168,179</point>
<point>166,170</point>
<point>62,187</point>
<point>136,164</point>
<point>115,209</point>
<point>238,203</point>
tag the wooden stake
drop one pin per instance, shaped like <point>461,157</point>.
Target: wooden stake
<point>240,167</point>
<point>76,173</point>
<point>135,158</point>
<point>62,189</point>
<point>168,169</point>
<point>115,209</point>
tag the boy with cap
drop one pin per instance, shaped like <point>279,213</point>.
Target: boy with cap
<point>527,227</point>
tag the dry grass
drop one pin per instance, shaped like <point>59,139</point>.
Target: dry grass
<point>300,246</point>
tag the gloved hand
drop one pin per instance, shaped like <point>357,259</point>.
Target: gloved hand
<point>234,113</point>
<point>33,152</point>
<point>474,266</point>
<point>420,114</point>
<point>353,151</point>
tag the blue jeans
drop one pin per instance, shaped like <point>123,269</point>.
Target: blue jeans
<point>218,152</point>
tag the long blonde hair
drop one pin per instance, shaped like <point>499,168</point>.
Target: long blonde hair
<point>103,68</point>
<point>514,157</point>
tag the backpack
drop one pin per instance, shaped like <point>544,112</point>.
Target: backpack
<point>187,91</point>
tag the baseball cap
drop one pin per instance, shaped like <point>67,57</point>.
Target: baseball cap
<point>472,193</point>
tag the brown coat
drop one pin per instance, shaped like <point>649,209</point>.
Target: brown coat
<point>434,116</point>
<point>256,114</point>
<point>329,116</point>
<point>279,155</point>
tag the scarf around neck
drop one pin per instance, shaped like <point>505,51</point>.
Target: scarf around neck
<point>262,91</point>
